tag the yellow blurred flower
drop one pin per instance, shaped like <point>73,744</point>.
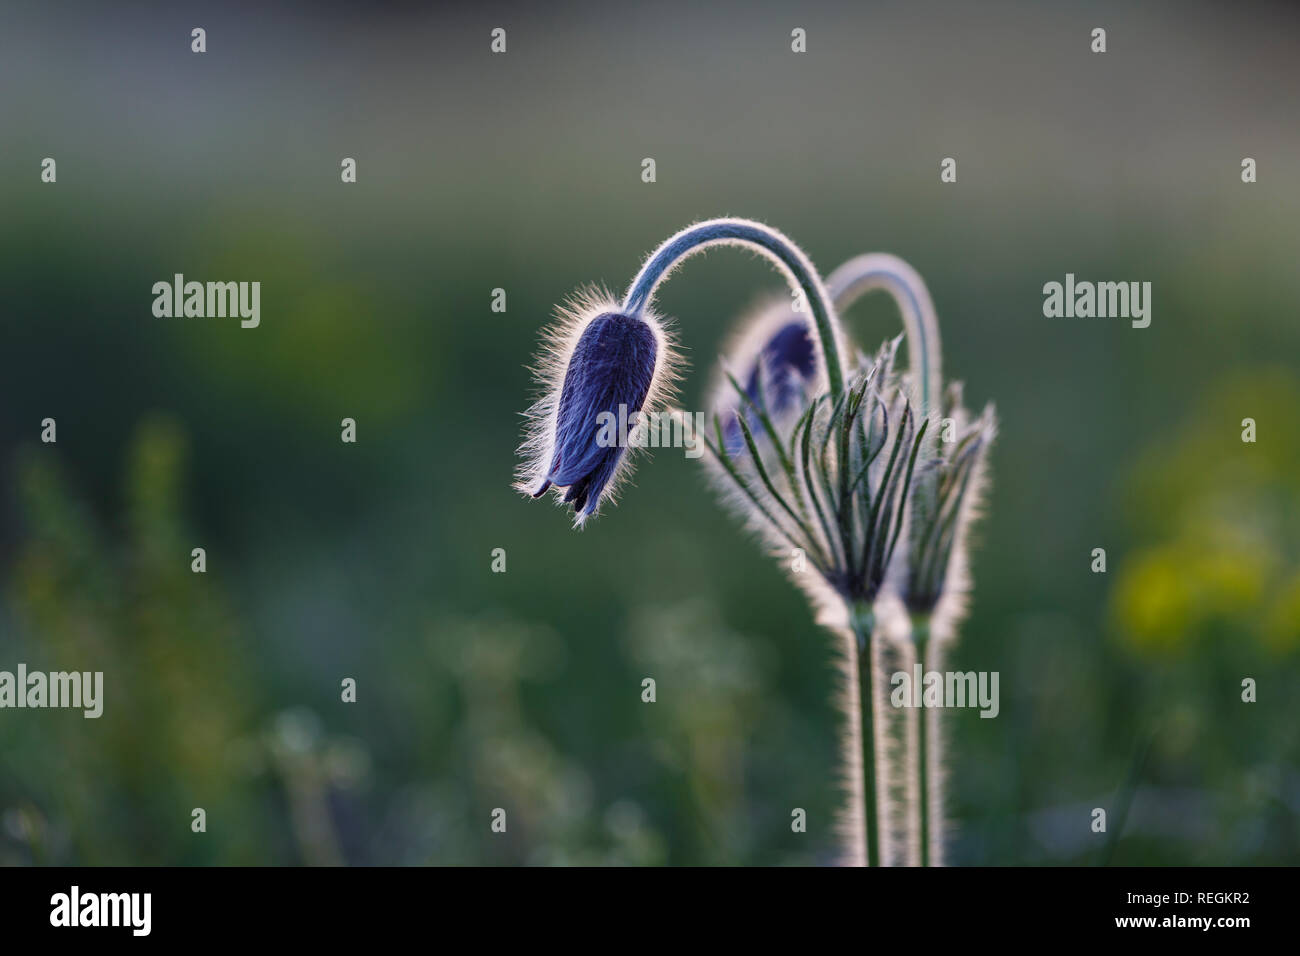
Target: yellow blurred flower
<point>1154,602</point>
<point>1220,514</point>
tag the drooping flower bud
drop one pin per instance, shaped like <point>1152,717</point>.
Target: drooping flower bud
<point>600,368</point>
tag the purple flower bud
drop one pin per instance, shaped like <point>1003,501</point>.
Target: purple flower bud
<point>602,368</point>
<point>779,378</point>
<point>788,361</point>
<point>776,361</point>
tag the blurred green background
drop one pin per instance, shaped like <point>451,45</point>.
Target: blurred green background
<point>522,690</point>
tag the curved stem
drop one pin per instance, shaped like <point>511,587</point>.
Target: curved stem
<point>774,245</point>
<point>880,270</point>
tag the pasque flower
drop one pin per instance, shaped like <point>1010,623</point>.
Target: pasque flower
<point>599,361</point>
<point>832,484</point>
<point>603,356</point>
<point>931,578</point>
<point>933,585</point>
<point>829,495</point>
<point>769,342</point>
<point>843,466</point>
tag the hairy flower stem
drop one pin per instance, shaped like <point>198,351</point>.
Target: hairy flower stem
<point>921,640</point>
<point>928,809</point>
<point>895,747</point>
<point>862,622</point>
<point>852,826</point>
<point>879,270</point>
<point>936,746</point>
<point>769,242</point>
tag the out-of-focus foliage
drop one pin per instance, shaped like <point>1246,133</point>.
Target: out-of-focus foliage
<point>178,689</point>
